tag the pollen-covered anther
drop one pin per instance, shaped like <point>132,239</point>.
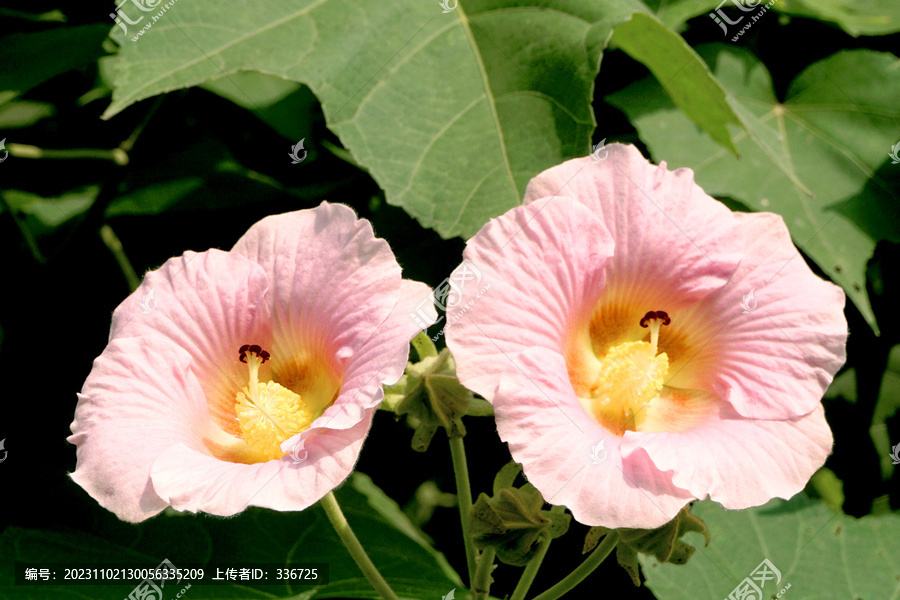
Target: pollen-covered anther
<point>629,377</point>
<point>661,315</point>
<point>253,349</point>
<point>268,412</point>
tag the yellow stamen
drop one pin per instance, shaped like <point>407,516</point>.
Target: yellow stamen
<point>627,378</point>
<point>268,412</point>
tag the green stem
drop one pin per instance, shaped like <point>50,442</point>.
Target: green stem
<point>533,565</point>
<point>351,542</point>
<point>464,495</point>
<point>481,584</point>
<point>116,155</point>
<point>112,242</point>
<point>583,570</point>
<point>19,220</point>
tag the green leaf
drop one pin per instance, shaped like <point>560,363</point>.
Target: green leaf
<point>452,114</point>
<point>203,176</point>
<point>682,73</point>
<point>400,551</point>
<point>886,407</point>
<point>24,113</point>
<point>32,58</point>
<point>820,554</point>
<point>829,137</point>
<point>676,13</point>
<point>44,215</point>
<point>856,17</point>
<point>287,106</point>
<point>825,485</point>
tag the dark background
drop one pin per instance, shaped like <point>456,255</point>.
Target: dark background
<point>57,300</point>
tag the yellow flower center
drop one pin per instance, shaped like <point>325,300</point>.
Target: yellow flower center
<point>617,387</point>
<point>268,412</point>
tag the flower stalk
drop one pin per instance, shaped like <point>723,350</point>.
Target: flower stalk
<point>583,570</point>
<point>464,495</point>
<point>351,542</point>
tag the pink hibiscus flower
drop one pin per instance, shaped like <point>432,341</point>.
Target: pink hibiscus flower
<point>247,377</point>
<point>644,346</point>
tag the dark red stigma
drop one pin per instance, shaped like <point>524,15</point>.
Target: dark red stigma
<point>657,314</point>
<point>253,349</point>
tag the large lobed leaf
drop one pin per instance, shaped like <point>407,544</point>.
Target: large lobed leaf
<point>400,551</point>
<point>29,59</point>
<point>856,17</point>
<point>819,158</point>
<point>798,537</point>
<point>451,112</point>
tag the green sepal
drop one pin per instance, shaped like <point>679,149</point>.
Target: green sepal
<point>513,523</point>
<point>664,543</point>
<point>506,476</point>
<point>431,396</point>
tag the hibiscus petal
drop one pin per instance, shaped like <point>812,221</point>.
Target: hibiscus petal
<point>140,399</point>
<point>674,243</point>
<point>210,304</point>
<point>535,285</point>
<point>739,462</point>
<point>332,281</point>
<point>380,362</point>
<point>540,418</point>
<point>776,360</point>
<point>193,481</point>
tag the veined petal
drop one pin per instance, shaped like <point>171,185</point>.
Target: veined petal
<point>209,304</point>
<point>775,360</point>
<point>380,362</point>
<point>547,431</point>
<point>333,283</point>
<point>674,243</point>
<point>140,399</point>
<point>542,266</point>
<point>194,481</point>
<point>739,462</point>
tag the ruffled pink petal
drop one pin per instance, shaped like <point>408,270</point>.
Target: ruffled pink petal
<point>193,481</point>
<point>380,362</point>
<point>209,304</point>
<point>533,275</point>
<point>332,281</point>
<point>547,431</point>
<point>777,360</point>
<point>140,399</point>
<point>674,243</point>
<point>739,462</point>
